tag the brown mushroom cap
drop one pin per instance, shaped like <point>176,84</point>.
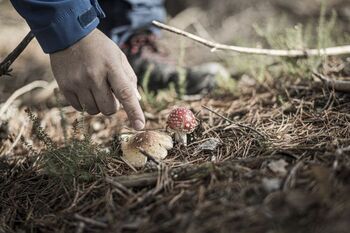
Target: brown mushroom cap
<point>133,156</point>
<point>182,120</point>
<point>154,143</point>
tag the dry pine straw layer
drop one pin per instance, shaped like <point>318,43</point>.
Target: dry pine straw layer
<point>293,178</point>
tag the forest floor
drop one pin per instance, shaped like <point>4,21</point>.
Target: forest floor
<point>271,154</point>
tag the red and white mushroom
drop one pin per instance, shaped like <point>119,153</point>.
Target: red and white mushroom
<point>181,121</point>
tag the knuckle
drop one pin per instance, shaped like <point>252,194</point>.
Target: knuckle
<point>125,94</point>
<point>93,81</point>
<point>108,66</point>
<point>133,112</point>
<point>91,72</point>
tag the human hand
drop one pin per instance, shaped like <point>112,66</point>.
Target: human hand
<point>92,72</point>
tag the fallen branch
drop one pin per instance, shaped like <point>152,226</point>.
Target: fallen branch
<point>90,221</point>
<point>290,179</point>
<point>187,172</point>
<point>42,95</point>
<point>337,85</point>
<point>7,62</point>
<point>21,91</point>
<point>269,52</point>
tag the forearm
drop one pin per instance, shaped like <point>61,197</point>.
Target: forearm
<point>57,24</point>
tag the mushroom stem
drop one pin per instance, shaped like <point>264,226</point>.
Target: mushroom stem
<point>181,138</point>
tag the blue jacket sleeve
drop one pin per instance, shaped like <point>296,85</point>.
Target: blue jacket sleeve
<point>58,24</point>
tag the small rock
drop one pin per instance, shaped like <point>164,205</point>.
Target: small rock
<point>210,144</point>
<point>97,126</point>
<point>278,167</point>
<point>271,185</point>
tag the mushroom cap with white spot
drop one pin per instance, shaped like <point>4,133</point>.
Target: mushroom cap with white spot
<point>182,120</point>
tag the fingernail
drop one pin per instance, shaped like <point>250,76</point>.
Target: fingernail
<point>138,125</point>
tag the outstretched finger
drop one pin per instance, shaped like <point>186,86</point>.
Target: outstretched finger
<point>129,71</point>
<point>126,93</point>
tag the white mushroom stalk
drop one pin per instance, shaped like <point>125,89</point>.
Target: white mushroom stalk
<point>181,121</point>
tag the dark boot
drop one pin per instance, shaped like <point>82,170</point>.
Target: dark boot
<point>145,57</point>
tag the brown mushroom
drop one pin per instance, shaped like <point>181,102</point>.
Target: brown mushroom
<point>155,144</point>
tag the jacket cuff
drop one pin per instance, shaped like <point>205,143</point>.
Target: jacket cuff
<point>72,23</point>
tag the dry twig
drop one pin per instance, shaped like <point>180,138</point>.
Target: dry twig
<point>7,62</point>
<point>232,122</point>
<point>21,91</point>
<point>337,85</point>
<point>42,95</point>
<point>258,51</point>
<point>90,221</point>
<point>186,172</point>
<point>290,179</point>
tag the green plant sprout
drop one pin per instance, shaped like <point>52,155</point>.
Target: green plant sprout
<point>78,159</point>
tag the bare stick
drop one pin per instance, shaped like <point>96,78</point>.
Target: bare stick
<point>290,180</point>
<point>7,62</point>
<point>41,95</point>
<point>338,85</point>
<point>21,131</point>
<point>270,52</point>
<point>20,92</point>
<point>119,186</point>
<point>187,172</point>
<point>90,221</point>
<point>232,122</point>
